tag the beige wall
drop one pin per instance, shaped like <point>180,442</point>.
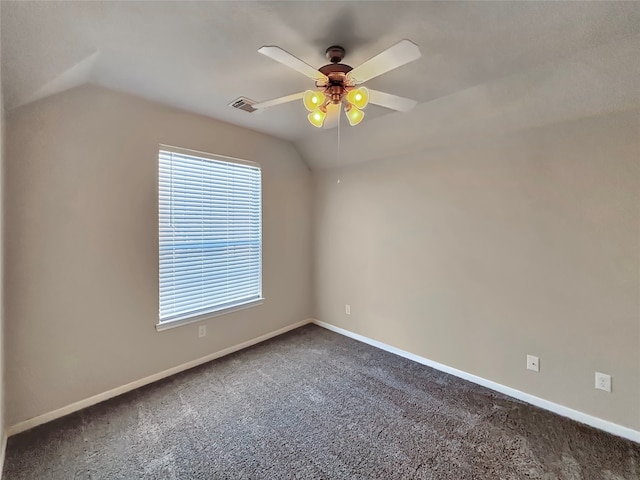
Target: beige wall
<point>476,256</point>
<point>471,256</point>
<point>82,245</point>
<point>2,389</point>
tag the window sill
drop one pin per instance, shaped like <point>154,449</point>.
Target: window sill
<point>161,326</point>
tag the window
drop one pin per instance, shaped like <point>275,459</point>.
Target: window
<point>210,224</point>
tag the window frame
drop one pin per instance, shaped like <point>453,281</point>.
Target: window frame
<point>199,316</point>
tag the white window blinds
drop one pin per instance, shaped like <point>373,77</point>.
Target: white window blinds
<point>210,234</point>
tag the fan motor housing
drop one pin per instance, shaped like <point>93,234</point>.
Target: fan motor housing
<point>338,83</point>
<point>336,72</point>
<point>337,75</point>
<point>335,68</point>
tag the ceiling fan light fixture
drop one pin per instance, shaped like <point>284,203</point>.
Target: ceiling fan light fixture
<point>359,97</point>
<point>313,100</point>
<point>354,114</point>
<point>337,83</point>
<point>316,118</point>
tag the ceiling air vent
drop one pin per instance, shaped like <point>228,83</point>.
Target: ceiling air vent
<point>243,103</point>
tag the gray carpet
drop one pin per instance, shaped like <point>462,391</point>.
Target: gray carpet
<point>314,404</point>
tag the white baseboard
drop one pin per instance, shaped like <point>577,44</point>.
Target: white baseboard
<point>101,397</point>
<point>3,449</point>
<point>576,415</point>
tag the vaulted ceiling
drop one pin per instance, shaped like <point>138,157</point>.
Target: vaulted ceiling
<point>486,67</point>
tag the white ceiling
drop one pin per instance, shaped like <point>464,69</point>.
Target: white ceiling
<point>199,56</point>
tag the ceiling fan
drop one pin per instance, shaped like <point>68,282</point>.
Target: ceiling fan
<point>337,83</point>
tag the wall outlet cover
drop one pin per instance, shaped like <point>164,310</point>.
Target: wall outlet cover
<point>603,382</point>
<point>533,363</point>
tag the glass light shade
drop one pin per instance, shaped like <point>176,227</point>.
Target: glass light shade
<point>316,118</point>
<point>354,114</point>
<point>358,97</point>
<point>312,100</point>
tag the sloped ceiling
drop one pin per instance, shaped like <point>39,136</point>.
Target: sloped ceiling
<point>486,67</point>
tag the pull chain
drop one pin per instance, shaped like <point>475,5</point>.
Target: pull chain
<point>339,115</point>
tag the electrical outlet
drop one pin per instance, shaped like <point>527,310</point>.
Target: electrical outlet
<point>202,330</point>
<point>603,382</point>
<point>533,363</point>
<point>347,309</point>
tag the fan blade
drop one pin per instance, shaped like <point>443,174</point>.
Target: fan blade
<point>400,54</point>
<point>278,101</point>
<point>394,102</point>
<point>284,57</point>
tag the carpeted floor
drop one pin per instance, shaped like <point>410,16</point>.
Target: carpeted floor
<point>314,404</point>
